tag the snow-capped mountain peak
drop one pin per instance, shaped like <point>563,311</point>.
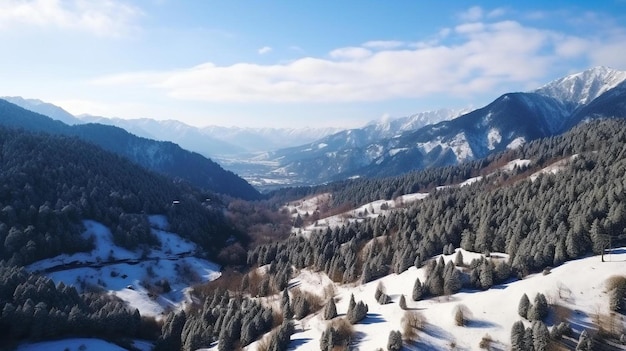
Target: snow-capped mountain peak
<point>582,88</point>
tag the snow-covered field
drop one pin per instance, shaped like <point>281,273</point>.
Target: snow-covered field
<point>81,344</point>
<point>134,276</point>
<point>577,285</point>
<point>369,210</point>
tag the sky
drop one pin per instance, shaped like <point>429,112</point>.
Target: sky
<point>322,63</point>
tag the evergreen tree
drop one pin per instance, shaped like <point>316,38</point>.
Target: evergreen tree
<point>541,336</point>
<point>402,302</point>
<point>517,336</point>
<point>458,259</point>
<point>539,310</point>
<point>417,290</point>
<point>486,275</point>
<point>394,342</point>
<point>524,306</point>
<point>357,313</point>
<point>330,311</point>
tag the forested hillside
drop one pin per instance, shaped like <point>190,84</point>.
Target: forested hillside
<point>50,183</point>
<point>538,223</point>
<point>163,157</point>
<point>538,218</point>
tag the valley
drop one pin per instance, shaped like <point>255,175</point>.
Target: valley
<point>389,238</point>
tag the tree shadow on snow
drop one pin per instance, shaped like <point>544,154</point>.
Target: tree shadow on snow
<point>438,332</point>
<point>372,318</point>
<point>294,344</point>
<point>473,323</point>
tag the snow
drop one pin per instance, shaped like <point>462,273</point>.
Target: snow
<point>580,282</point>
<point>515,163</point>
<point>81,344</point>
<point>369,210</point>
<point>430,145</point>
<point>133,276</point>
<point>493,138</point>
<point>516,143</point>
<point>461,148</point>
<point>553,168</point>
<point>583,87</point>
<point>394,152</point>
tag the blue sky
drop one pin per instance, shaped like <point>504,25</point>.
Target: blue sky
<point>295,63</point>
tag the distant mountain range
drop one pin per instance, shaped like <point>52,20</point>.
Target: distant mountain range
<point>163,157</point>
<point>508,122</point>
<point>271,157</point>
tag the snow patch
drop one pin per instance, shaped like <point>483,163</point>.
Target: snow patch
<point>516,143</point>
<point>394,152</point>
<point>493,138</point>
<point>134,276</point>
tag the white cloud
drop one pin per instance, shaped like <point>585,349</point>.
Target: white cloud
<point>474,58</point>
<point>350,53</point>
<point>103,17</point>
<point>264,50</point>
<point>472,14</point>
<point>499,12</point>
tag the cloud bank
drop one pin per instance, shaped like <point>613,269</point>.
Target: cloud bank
<point>480,54</point>
<point>102,17</point>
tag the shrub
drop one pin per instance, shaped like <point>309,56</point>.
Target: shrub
<point>485,342</point>
<point>461,315</point>
<point>412,323</point>
<point>616,287</point>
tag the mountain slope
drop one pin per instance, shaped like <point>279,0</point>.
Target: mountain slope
<point>44,108</point>
<point>164,157</point>
<point>507,122</point>
<point>188,137</point>
<point>50,182</point>
<point>582,88</point>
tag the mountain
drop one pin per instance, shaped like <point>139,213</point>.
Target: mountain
<point>188,137</point>
<point>163,157</point>
<point>266,139</point>
<point>215,141</point>
<point>44,108</point>
<point>582,88</point>
<point>508,122</point>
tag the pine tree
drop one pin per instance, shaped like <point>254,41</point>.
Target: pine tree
<point>452,280</point>
<point>539,310</point>
<point>517,336</point>
<point>286,304</point>
<point>351,305</point>
<point>523,307</point>
<point>402,302</point>
<point>458,259</point>
<point>528,339</point>
<point>486,275</point>
<point>357,313</point>
<point>417,290</point>
<point>394,342</point>
<point>330,311</point>
<point>541,336</point>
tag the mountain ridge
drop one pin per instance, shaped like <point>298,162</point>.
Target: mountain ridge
<point>163,157</point>
<point>509,121</point>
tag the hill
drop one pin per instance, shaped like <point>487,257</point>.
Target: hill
<point>163,157</point>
